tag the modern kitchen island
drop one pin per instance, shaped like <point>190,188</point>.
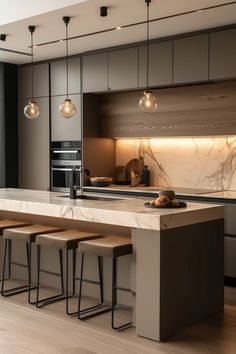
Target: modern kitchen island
<point>178,260</point>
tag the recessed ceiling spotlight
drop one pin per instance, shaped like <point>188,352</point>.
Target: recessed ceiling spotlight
<point>198,10</point>
<point>118,28</point>
<point>3,37</point>
<point>103,11</point>
<point>61,41</point>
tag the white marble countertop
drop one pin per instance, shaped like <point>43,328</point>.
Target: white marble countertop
<point>123,212</point>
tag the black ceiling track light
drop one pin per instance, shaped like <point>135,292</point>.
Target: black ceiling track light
<point>103,11</point>
<point>141,23</point>
<point>3,37</point>
<point>31,111</point>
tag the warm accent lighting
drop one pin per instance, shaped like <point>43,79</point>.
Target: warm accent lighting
<point>148,103</point>
<point>67,109</point>
<point>31,111</point>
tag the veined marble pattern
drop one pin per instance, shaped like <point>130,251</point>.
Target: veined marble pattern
<point>204,162</point>
<point>123,212</point>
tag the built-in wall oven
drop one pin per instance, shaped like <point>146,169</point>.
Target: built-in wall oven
<point>66,156</point>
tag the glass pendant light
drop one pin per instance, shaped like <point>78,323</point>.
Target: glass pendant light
<point>67,109</point>
<point>148,103</point>
<point>31,111</point>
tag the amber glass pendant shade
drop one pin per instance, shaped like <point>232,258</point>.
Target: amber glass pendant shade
<point>31,111</point>
<point>67,109</point>
<point>148,103</point>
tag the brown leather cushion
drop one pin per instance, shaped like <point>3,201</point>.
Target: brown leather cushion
<point>111,246</point>
<point>28,233</point>
<point>7,224</point>
<point>65,239</point>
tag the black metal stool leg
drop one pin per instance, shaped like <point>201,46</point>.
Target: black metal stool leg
<point>51,299</point>
<point>9,260</point>
<point>73,281</point>
<point>61,270</point>
<point>28,252</point>
<point>114,298</point>
<point>18,289</point>
<point>90,312</point>
<point>4,264</point>
<point>38,272</point>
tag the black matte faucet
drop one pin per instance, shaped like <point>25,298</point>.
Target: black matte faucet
<point>74,183</point>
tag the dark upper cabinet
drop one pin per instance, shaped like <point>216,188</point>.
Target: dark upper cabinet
<point>95,73</point>
<point>190,59</point>
<point>41,81</point>
<point>223,54</point>
<point>123,69</point>
<point>65,129</point>
<point>58,77</point>
<point>160,64</point>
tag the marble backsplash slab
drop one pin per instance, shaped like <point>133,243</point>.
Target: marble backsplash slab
<point>204,162</point>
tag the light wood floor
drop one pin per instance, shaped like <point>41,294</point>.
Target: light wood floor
<point>27,330</point>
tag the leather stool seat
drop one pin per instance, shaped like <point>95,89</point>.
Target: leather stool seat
<point>6,224</point>
<point>111,246</point>
<point>28,233</point>
<point>65,239</point>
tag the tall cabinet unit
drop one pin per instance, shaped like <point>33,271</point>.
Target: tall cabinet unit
<point>8,126</point>
<point>34,134</point>
<point>65,129</point>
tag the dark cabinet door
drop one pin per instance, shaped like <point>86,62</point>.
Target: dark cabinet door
<point>123,69</point>
<point>58,77</point>
<point>190,59</point>
<point>95,70</point>
<point>160,64</point>
<point>223,54</point>
<point>65,129</point>
<point>34,147</point>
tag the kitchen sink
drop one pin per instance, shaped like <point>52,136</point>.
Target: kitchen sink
<point>92,197</point>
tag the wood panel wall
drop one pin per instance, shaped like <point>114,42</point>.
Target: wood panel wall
<point>199,110</point>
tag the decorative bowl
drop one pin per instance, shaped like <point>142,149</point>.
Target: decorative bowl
<point>167,193</point>
<point>101,181</point>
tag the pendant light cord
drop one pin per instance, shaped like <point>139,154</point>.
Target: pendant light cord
<point>147,44</point>
<point>67,66</point>
<point>32,70</point>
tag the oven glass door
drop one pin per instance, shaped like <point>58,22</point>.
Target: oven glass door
<point>62,177</point>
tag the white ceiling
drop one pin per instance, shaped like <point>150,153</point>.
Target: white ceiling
<point>85,18</point>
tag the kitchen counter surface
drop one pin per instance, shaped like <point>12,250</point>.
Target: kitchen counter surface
<point>185,193</point>
<point>128,212</point>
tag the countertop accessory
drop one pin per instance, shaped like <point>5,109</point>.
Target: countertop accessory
<point>101,181</point>
<point>168,206</point>
<point>167,193</point>
<point>31,111</point>
<point>148,103</point>
<point>67,109</point>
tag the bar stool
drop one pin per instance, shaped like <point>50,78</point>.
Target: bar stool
<point>64,241</point>
<point>113,247</point>
<point>8,224</point>
<point>27,234</point>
